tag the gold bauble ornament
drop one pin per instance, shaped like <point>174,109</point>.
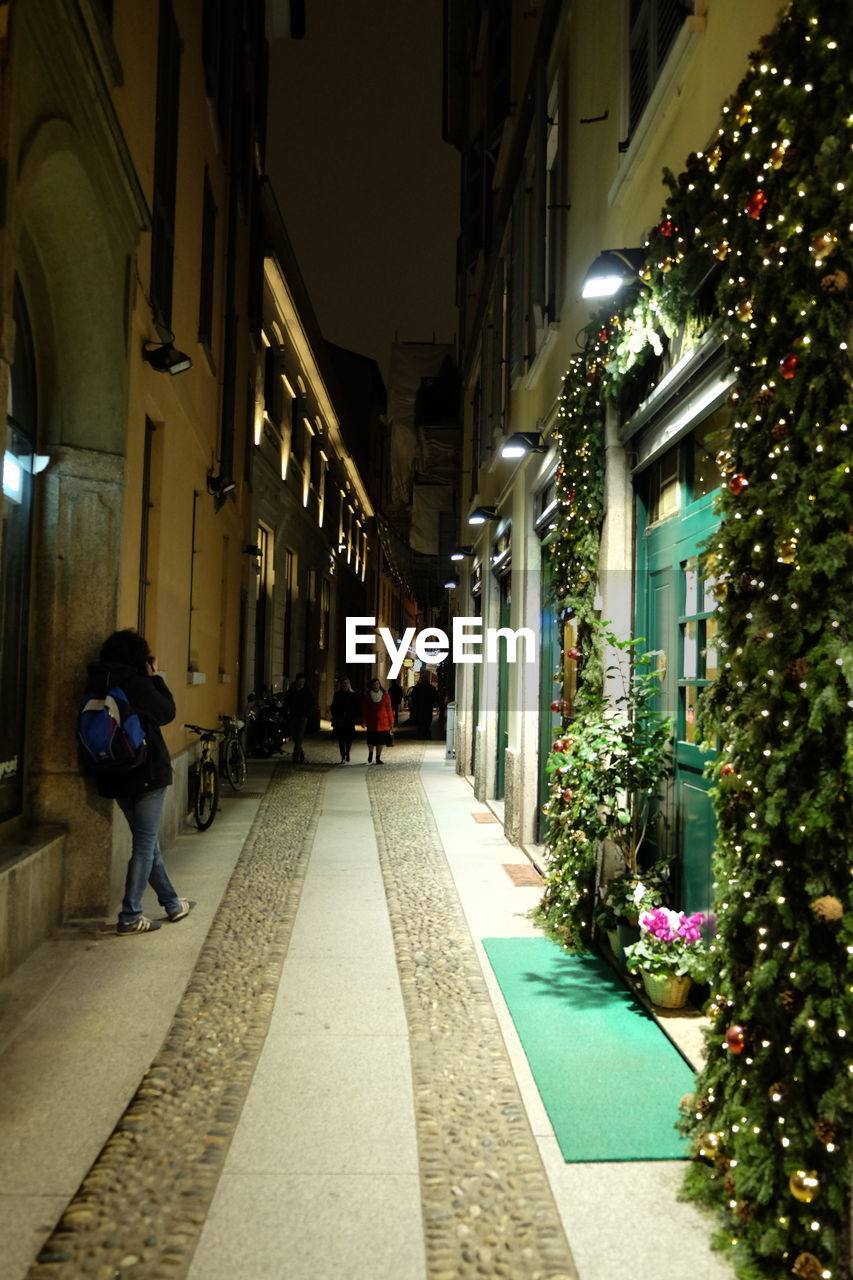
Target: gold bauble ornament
<point>743,112</point>
<point>725,462</point>
<point>828,907</point>
<point>777,157</point>
<point>715,155</point>
<point>667,265</point>
<point>787,551</point>
<point>823,245</point>
<point>743,310</point>
<point>777,1091</point>
<point>710,1145</point>
<point>722,250</point>
<point>804,1184</point>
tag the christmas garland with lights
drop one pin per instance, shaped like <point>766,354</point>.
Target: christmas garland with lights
<point>566,908</point>
<point>764,219</point>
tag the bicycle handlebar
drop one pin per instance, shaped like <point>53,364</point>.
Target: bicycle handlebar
<point>194,728</point>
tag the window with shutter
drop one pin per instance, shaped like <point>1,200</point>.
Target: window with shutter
<point>654,27</point>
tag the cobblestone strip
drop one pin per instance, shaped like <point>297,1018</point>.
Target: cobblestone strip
<point>488,1206</point>
<point>139,1211</point>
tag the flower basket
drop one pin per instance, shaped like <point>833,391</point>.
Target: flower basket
<point>666,990</point>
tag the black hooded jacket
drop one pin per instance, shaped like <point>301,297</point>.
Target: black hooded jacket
<point>151,700</point>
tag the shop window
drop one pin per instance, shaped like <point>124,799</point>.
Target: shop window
<point>709,439</point>
<point>664,487</point>
<point>699,665</point>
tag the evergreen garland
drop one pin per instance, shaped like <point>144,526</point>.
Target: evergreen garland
<point>764,221</point>
<point>567,904</point>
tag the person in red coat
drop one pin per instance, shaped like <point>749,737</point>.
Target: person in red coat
<point>378,719</point>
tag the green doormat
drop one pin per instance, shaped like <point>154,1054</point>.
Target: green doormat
<point>608,1076</point>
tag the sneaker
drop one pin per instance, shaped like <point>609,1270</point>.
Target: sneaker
<point>142,925</point>
<point>185,908</point>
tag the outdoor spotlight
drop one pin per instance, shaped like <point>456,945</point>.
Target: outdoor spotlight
<point>220,486</point>
<point>166,358</point>
<point>612,269</point>
<point>521,443</point>
<point>460,553</point>
<point>452,583</point>
<point>481,514</point>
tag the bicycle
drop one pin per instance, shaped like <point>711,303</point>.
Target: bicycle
<point>231,752</point>
<point>206,800</point>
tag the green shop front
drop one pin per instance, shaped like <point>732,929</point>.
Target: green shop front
<point>675,439</point>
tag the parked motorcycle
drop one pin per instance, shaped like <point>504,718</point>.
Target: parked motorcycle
<point>266,726</point>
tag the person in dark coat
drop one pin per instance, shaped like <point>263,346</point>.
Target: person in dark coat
<point>423,700</point>
<point>395,693</point>
<point>127,662</point>
<point>299,705</point>
<point>346,714</point>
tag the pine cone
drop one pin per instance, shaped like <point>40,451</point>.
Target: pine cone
<point>780,430</point>
<point>798,669</point>
<point>729,1187</point>
<point>792,160</point>
<point>762,401</point>
<point>807,1267</point>
<point>743,1211</point>
<point>828,907</point>
<point>825,1131</point>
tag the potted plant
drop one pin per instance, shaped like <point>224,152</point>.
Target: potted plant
<point>669,956</point>
<point>621,900</point>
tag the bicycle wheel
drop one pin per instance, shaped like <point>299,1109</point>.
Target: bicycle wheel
<point>235,763</point>
<point>207,795</point>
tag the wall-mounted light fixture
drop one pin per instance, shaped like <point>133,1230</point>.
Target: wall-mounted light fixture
<point>220,486</point>
<point>451,583</point>
<point>481,514</point>
<point>251,549</point>
<point>460,553</point>
<point>612,269</point>
<point>165,357</point>
<point>521,443</point>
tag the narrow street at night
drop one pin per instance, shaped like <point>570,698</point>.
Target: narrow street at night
<point>339,1090</point>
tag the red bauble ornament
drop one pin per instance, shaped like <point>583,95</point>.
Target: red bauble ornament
<point>603,333</point>
<point>736,1039</point>
<point>574,654</point>
<point>570,496</point>
<point>727,770</point>
<point>738,483</point>
<point>555,706</point>
<point>668,228</point>
<point>756,203</point>
<point>788,367</point>
<point>567,794</point>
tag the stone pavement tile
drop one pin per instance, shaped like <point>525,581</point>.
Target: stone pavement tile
<point>356,928</point>
<point>626,1219</point>
<point>328,1104</point>
<point>24,1223</point>
<point>330,993</point>
<point>320,1227</point>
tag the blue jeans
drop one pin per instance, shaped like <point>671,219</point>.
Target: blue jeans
<point>146,862</point>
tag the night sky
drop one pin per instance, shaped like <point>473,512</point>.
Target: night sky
<point>367,187</point>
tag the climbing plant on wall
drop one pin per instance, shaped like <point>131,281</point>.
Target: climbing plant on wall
<point>762,222</point>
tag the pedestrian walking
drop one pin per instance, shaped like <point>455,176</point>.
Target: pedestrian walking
<point>299,704</point>
<point>423,700</point>
<point>346,713</point>
<point>395,693</point>
<point>126,662</point>
<point>377,716</point>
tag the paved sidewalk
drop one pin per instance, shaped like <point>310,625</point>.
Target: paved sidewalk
<point>344,1141</point>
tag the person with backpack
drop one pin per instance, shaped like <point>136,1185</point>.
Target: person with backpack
<point>125,700</point>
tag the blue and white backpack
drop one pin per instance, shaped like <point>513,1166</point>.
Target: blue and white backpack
<point>111,732</point>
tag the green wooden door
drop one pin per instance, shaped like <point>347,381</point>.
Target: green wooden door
<point>676,617</point>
